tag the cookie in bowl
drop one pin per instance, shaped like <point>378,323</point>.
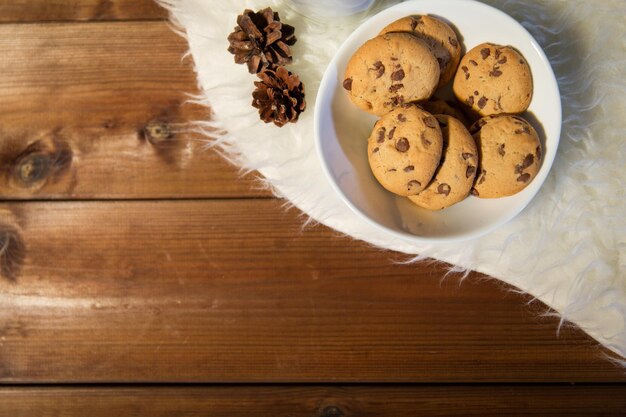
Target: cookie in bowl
<point>390,70</point>
<point>493,79</point>
<point>509,155</point>
<point>455,176</point>
<point>438,35</point>
<point>404,150</point>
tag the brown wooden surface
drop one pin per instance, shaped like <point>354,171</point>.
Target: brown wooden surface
<point>234,291</point>
<point>94,10</point>
<point>95,110</point>
<point>199,280</point>
<point>318,401</point>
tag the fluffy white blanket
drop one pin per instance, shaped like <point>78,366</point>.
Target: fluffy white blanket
<point>567,248</point>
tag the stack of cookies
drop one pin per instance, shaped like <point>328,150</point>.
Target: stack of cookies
<point>437,152</point>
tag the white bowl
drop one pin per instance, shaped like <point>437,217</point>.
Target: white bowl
<point>341,129</point>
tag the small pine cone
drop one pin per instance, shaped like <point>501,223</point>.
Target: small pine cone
<point>279,96</point>
<point>261,40</point>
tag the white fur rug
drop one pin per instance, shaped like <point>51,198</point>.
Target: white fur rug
<point>567,248</point>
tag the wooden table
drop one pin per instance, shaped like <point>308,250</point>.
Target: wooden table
<point>143,275</point>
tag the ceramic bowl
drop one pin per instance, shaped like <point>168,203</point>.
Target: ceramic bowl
<point>341,129</point>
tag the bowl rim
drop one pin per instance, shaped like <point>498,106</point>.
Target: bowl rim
<point>481,231</point>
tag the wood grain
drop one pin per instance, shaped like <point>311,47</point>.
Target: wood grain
<point>81,10</point>
<point>233,290</point>
<point>320,401</point>
<point>96,110</point>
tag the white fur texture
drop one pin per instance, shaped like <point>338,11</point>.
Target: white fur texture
<point>567,248</point>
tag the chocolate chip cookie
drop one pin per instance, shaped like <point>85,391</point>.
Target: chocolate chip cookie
<point>404,149</point>
<point>390,70</point>
<point>439,36</point>
<point>493,79</point>
<point>455,176</point>
<point>509,155</point>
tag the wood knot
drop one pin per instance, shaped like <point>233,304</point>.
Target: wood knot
<point>32,168</point>
<point>331,411</point>
<point>40,161</point>
<point>12,252</point>
<point>157,132</point>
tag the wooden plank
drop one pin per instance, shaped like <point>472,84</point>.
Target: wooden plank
<point>234,290</point>
<point>81,10</point>
<point>321,401</point>
<point>97,111</point>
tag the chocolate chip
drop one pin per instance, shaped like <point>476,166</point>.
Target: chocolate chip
<point>538,152</point>
<point>391,132</point>
<point>412,183</point>
<point>521,61</point>
<point>379,68</point>
<point>395,101</point>
<point>401,118</point>
<point>470,171</point>
<point>528,161</point>
<point>524,129</point>
<point>409,168</point>
<point>347,84</point>
<point>470,101</point>
<point>523,178</point>
<point>473,191</point>
<point>443,189</point>
<point>425,141</point>
<point>395,87</point>
<point>467,156</point>
<point>430,121</point>
<point>402,145</point>
<point>381,135</point>
<point>501,151</point>
<point>482,176</point>
<point>392,170</point>
<point>475,92</point>
<point>474,63</point>
<point>502,60</point>
<point>453,42</point>
<point>374,150</point>
<point>485,53</point>
<point>466,71</point>
<point>482,102</point>
<point>498,53</point>
<point>397,75</point>
<point>518,169</point>
<point>495,72</point>
<point>393,58</point>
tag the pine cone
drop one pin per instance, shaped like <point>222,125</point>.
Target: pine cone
<point>279,96</point>
<point>261,40</point>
